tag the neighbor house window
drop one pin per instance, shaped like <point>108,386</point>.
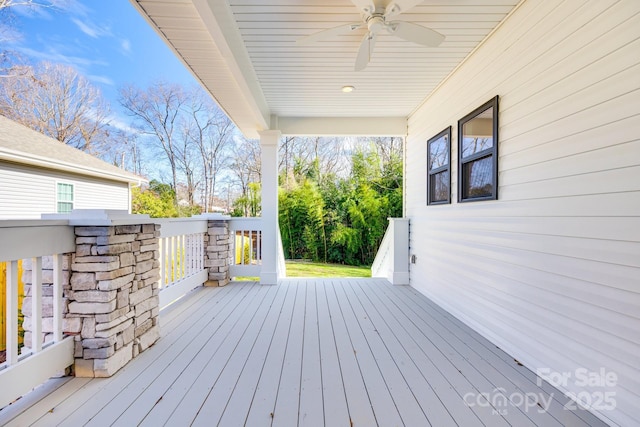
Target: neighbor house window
<point>438,168</point>
<point>65,197</point>
<point>478,154</point>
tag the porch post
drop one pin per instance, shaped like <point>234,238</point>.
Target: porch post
<point>269,144</point>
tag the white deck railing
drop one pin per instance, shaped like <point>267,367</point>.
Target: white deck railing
<point>392,260</point>
<point>246,247</point>
<point>182,256</point>
<point>26,368</point>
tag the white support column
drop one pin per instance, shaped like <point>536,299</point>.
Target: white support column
<point>269,144</point>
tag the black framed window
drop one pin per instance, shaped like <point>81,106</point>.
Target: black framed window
<point>439,168</point>
<point>478,154</point>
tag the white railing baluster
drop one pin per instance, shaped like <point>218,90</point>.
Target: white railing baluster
<point>194,252</point>
<point>36,304</point>
<point>242,257</point>
<point>57,298</point>
<point>234,247</point>
<point>176,260</point>
<point>183,256</point>
<point>178,255</point>
<point>250,247</point>
<point>260,246</point>
<point>12,313</point>
<point>187,254</point>
<point>200,256</point>
<point>165,260</point>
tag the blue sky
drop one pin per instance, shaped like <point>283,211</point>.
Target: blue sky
<point>106,40</point>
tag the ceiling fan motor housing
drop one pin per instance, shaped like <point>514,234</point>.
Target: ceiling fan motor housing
<point>376,23</point>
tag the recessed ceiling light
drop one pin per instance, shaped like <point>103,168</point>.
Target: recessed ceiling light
<point>347,89</point>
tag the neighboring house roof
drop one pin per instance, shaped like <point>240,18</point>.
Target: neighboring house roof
<point>19,144</point>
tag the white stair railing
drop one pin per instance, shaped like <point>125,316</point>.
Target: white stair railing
<point>392,260</point>
<point>282,266</point>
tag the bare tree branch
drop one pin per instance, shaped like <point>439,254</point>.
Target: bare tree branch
<point>57,101</point>
<point>156,113</point>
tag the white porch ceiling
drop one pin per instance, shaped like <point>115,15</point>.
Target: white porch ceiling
<point>244,53</point>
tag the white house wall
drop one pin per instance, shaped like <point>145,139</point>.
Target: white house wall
<point>550,272</point>
<point>27,192</point>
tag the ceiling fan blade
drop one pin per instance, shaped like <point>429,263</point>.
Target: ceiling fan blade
<point>397,7</point>
<point>415,33</point>
<point>365,51</point>
<point>329,33</point>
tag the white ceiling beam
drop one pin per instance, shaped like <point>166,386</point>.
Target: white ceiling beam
<point>341,126</point>
<point>221,24</point>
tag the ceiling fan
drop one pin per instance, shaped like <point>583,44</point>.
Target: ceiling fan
<point>375,18</point>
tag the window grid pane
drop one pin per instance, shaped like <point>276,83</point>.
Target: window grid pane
<point>65,198</point>
<point>439,190</point>
<point>65,207</point>
<point>478,177</point>
<point>439,153</point>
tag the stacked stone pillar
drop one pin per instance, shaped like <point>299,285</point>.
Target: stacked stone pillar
<point>218,255</point>
<point>110,296</point>
<point>114,287</point>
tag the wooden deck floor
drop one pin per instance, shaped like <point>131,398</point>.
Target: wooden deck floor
<point>313,352</point>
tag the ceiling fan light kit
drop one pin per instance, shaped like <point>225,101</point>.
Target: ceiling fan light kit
<point>375,17</point>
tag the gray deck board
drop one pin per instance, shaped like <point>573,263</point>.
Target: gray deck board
<point>383,403</point>
<point>336,410</point>
<point>288,392</point>
<point>311,410</point>
<point>222,345</point>
<point>398,384</point>
<point>525,379</point>
<point>307,352</point>
<point>357,395</point>
<point>237,406</point>
<point>213,407</point>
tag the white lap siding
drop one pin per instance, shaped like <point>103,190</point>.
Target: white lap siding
<point>27,192</point>
<point>550,272</point>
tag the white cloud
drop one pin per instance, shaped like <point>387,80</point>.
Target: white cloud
<point>91,32</point>
<point>91,29</point>
<point>72,7</point>
<point>54,56</point>
<point>101,79</point>
<point>125,44</point>
<point>119,122</point>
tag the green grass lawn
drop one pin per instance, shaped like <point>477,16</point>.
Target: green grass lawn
<point>317,269</point>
